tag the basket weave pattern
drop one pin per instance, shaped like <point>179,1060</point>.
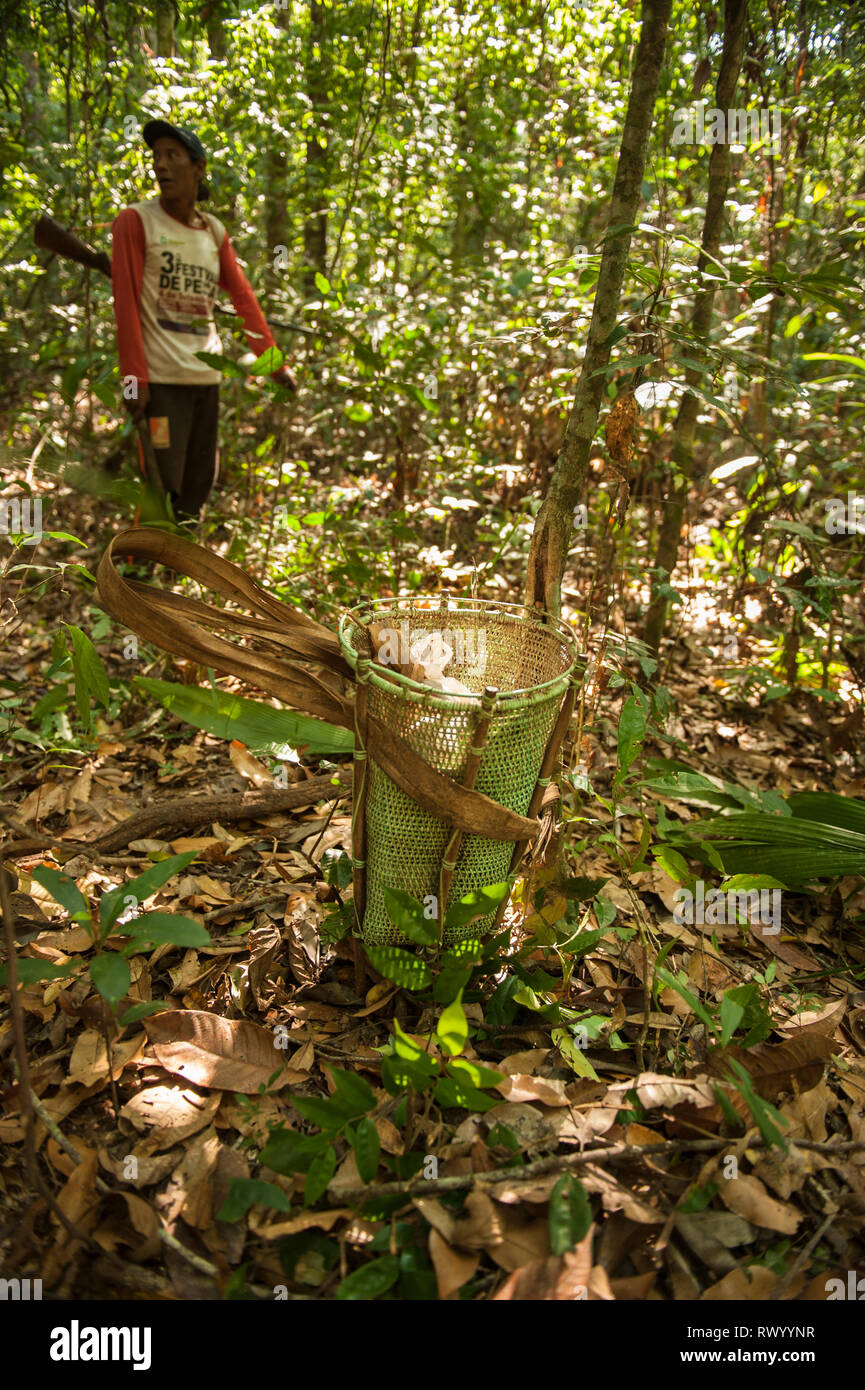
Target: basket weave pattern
<point>502,645</point>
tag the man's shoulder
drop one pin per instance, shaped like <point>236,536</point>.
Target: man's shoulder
<point>216,226</point>
<point>146,205</point>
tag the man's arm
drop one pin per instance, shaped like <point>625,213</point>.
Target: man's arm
<point>127,273</point>
<point>258,335</point>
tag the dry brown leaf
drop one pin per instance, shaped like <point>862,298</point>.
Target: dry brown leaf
<point>265,944</point>
<point>144,1221</point>
<point>389,1136</point>
<point>518,1088</point>
<point>521,1239</point>
<point>436,1216</point>
<point>171,1113</point>
<point>482,1225</point>
<point>755,1284</point>
<point>189,1194</point>
<point>452,1267</point>
<point>305,1221</point>
<point>196,843</point>
<point>824,1020</point>
<point>795,1064</point>
<point>559,1277</point>
<point>529,1190</point>
<point>641,1134</point>
<point>616,1197</point>
<point>747,1196</point>
<point>80,1202</point>
<point>635,1287</point>
<point>807,1112</point>
<point>302,939</point>
<point>138,1168</point>
<point>61,1105</point>
<point>89,1061</point>
<point>220,1053</point>
<point>666,1092</point>
<point>247,766</point>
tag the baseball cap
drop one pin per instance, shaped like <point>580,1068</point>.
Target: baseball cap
<point>154,130</point>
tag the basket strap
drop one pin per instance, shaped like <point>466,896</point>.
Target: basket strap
<point>174,623</point>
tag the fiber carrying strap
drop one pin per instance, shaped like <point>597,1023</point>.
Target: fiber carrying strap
<point>177,624</point>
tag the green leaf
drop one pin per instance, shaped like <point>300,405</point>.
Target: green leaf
<point>270,361</point>
<point>689,997</point>
<point>367,1149</point>
<point>112,904</point>
<point>166,927</point>
<point>632,731</point>
<point>400,967</point>
<point>699,1198</point>
<point>452,1029</point>
<point>398,1074</point>
<point>222,364</point>
<point>570,1214</point>
<point>336,868</point>
<point>64,890</point>
<point>474,1073</point>
<point>359,412</point>
<point>672,863</point>
<point>573,1055</point>
<point>142,1010</point>
<point>731,1016</point>
<point>244,1193</point>
<point>322,283</point>
<point>353,1092</point>
<point>834,357</point>
<point>318,1176</point>
<point>110,974</point>
<point>30,972</point>
<point>371,1280</point>
<point>453,1091</point>
<point>476,904</point>
<point>287,1152</point>
<point>91,677</point>
<point>409,916</point>
<point>329,1114</point>
<point>277,732</point>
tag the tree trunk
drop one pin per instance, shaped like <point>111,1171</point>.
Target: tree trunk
<point>554,524</point>
<point>214,17</point>
<point>684,429</point>
<point>163,18</point>
<point>316,166</point>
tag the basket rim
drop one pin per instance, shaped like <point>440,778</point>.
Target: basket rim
<point>386,678</point>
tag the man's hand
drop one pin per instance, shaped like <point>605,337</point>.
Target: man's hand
<point>285,377</point>
<point>137,405</point>
<point>102,261</point>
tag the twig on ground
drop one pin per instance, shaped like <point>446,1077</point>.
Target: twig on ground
<point>190,811</point>
<point>562,1163</point>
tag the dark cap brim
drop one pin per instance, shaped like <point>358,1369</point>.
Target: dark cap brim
<point>154,130</point>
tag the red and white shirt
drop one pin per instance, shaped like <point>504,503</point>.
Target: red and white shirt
<point>165,276</point>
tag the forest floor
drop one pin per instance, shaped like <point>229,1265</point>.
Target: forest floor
<point>140,1129</point>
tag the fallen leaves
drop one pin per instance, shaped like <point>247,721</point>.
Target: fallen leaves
<point>220,1053</point>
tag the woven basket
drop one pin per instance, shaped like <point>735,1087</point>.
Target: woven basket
<point>447,789</point>
<point>525,662</point>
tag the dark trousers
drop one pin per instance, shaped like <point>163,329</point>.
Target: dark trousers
<point>184,428</point>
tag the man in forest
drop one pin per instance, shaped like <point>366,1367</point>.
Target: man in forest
<point>168,261</point>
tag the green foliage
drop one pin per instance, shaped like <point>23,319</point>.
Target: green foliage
<point>117,917</point>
